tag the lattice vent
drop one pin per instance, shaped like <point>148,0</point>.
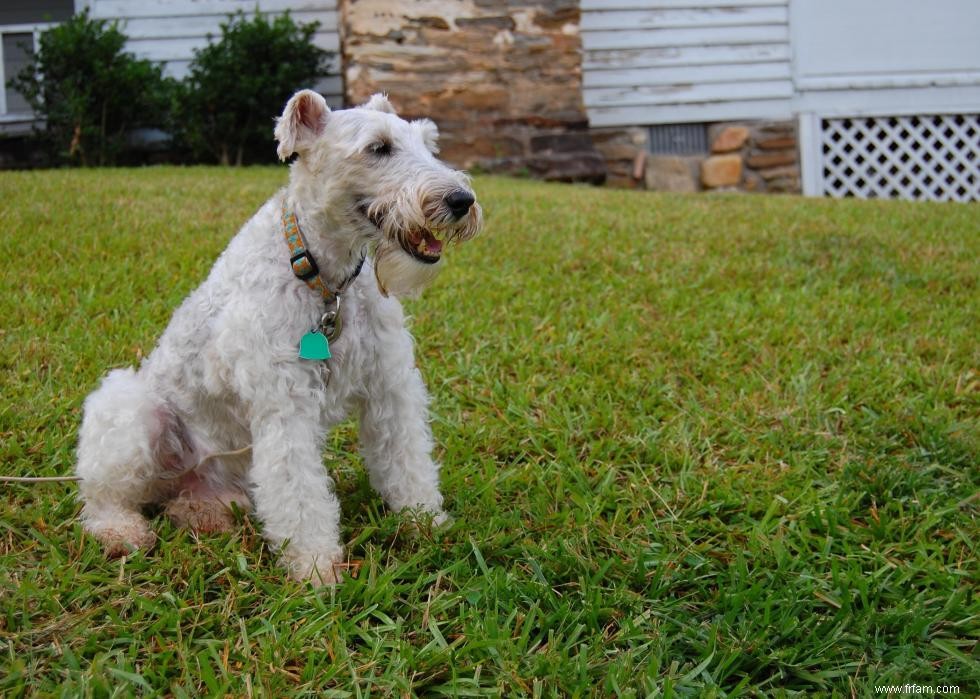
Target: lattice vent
<point>933,157</point>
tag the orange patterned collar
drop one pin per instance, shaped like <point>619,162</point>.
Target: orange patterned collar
<point>302,262</point>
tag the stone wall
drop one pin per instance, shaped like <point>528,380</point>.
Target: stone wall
<point>747,156</point>
<point>625,150</point>
<point>502,79</point>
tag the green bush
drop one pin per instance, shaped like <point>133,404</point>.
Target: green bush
<point>240,83</point>
<point>90,93</point>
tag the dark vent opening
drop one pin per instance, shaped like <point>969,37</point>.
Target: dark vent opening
<point>679,139</point>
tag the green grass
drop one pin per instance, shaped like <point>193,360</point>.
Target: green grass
<point>697,446</point>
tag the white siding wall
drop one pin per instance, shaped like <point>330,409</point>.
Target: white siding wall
<point>170,30</point>
<point>903,57</point>
<point>670,61</point>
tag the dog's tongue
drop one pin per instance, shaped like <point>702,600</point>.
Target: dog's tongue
<point>427,244</point>
<point>432,244</point>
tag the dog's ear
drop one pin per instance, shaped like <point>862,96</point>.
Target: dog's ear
<point>379,102</point>
<point>301,122</point>
<point>429,132</point>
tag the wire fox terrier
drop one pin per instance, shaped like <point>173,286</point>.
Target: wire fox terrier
<point>295,325</point>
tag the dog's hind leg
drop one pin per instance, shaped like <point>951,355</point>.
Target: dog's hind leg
<point>128,438</point>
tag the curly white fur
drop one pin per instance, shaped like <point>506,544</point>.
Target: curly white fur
<point>226,373</point>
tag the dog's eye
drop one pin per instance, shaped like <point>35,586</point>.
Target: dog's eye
<point>381,149</point>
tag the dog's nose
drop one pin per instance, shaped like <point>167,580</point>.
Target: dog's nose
<point>459,202</point>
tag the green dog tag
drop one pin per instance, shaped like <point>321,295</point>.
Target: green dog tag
<point>314,345</point>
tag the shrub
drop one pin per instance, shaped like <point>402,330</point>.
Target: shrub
<point>90,93</point>
<point>238,84</point>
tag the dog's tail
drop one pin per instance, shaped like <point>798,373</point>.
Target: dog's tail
<point>129,438</point>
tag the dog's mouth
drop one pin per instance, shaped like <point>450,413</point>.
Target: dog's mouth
<point>423,244</point>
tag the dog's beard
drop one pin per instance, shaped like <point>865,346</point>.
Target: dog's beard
<point>409,233</point>
<point>399,274</point>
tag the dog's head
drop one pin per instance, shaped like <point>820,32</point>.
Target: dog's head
<point>379,177</point>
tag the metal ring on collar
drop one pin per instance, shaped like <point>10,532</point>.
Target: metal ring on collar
<point>330,321</point>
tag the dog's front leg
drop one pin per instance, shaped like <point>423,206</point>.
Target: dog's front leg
<point>396,441</point>
<point>294,496</point>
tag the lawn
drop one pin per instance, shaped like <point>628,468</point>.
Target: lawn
<point>693,445</point>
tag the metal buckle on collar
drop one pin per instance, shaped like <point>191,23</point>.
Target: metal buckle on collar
<point>330,321</point>
<point>304,266</point>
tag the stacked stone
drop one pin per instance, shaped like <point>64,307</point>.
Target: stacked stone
<point>503,80</point>
<point>772,157</point>
<point>747,156</point>
<point>752,157</point>
<point>673,173</point>
<point>625,151</point>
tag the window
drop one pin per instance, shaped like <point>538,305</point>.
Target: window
<point>18,48</point>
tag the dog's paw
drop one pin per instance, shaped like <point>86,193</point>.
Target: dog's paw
<point>441,519</point>
<point>424,521</point>
<point>319,569</point>
<point>203,516</point>
<point>123,537</point>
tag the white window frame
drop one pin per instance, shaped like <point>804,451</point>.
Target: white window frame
<point>35,29</point>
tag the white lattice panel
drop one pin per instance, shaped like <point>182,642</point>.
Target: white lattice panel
<point>934,157</point>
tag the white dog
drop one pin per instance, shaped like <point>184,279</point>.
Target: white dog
<point>244,359</point>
